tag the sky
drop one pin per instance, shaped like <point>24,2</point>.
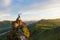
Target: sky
<point>29,9</point>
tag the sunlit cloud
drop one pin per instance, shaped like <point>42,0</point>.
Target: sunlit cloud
<point>31,10</point>
<point>4,14</point>
<point>6,2</point>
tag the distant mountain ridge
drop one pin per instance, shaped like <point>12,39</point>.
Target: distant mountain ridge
<point>56,21</point>
<point>45,30</point>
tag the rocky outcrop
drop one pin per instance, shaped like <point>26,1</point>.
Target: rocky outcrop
<point>18,31</point>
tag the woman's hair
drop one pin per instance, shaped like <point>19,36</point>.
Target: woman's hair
<point>13,24</point>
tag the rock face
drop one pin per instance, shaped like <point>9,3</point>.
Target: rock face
<point>19,30</point>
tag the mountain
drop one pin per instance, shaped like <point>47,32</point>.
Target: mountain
<point>4,24</point>
<point>30,22</point>
<point>45,30</point>
<point>4,28</point>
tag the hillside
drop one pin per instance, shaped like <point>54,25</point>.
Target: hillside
<point>45,30</point>
<point>4,27</point>
<point>41,30</point>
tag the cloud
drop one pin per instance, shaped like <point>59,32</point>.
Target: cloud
<point>47,9</point>
<point>35,10</point>
<point>5,3</point>
<point>4,14</point>
<point>40,6</point>
<point>50,13</point>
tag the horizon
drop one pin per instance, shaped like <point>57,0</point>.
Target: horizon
<point>30,9</point>
<point>30,20</point>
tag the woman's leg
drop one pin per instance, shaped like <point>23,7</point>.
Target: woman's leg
<point>23,37</point>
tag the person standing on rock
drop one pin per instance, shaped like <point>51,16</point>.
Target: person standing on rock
<point>19,30</point>
<point>22,28</point>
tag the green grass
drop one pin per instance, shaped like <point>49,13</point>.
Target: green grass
<point>4,37</point>
<point>42,30</point>
<point>45,30</point>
